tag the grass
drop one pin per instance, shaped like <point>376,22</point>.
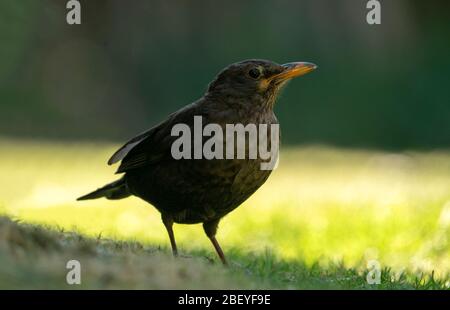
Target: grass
<point>316,223</point>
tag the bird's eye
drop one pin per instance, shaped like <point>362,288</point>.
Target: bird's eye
<point>254,73</point>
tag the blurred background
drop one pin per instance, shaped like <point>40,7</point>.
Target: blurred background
<point>129,65</point>
<point>365,162</point>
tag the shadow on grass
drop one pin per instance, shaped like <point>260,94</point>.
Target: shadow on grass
<point>34,257</point>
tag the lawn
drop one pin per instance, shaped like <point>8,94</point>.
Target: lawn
<point>316,223</point>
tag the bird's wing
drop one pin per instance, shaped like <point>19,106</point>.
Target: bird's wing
<point>152,145</point>
<point>127,147</point>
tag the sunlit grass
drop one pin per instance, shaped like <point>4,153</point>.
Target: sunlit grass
<point>322,205</point>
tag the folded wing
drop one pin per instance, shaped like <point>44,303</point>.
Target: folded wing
<point>154,144</point>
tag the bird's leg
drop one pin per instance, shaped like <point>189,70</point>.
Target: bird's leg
<point>168,222</point>
<point>210,229</point>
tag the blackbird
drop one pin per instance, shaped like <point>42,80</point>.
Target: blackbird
<point>191,191</point>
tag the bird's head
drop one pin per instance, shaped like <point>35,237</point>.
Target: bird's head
<point>256,81</point>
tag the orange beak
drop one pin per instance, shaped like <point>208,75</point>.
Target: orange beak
<point>294,69</point>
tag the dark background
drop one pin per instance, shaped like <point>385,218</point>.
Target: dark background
<point>131,63</point>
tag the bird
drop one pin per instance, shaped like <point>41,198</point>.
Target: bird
<point>194,191</point>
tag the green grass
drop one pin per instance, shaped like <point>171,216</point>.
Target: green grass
<point>319,219</point>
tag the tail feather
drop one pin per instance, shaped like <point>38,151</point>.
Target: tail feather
<point>115,190</point>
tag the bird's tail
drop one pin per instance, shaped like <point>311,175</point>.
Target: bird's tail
<point>115,190</point>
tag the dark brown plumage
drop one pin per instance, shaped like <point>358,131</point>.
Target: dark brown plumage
<point>190,191</point>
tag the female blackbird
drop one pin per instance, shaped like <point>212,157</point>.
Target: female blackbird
<point>203,190</point>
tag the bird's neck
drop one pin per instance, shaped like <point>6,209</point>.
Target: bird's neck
<point>250,105</point>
